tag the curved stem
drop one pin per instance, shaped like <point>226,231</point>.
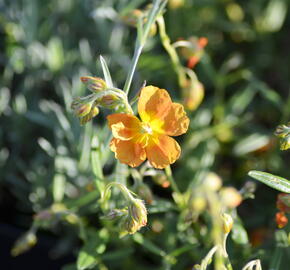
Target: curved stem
<point>168,173</point>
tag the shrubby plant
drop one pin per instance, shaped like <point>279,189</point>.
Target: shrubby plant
<point>125,192</point>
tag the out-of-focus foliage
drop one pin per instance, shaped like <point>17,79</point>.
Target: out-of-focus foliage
<point>53,168</point>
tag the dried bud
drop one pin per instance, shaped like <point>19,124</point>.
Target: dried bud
<point>281,220</point>
<point>94,84</point>
<point>24,243</point>
<point>194,95</point>
<point>230,197</point>
<point>227,223</point>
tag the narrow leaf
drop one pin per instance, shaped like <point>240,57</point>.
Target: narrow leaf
<point>106,72</point>
<point>272,181</point>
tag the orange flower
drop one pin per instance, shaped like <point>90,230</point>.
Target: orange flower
<point>136,140</point>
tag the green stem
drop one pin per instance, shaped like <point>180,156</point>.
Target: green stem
<point>205,262</point>
<point>140,42</point>
<point>171,52</point>
<point>168,173</point>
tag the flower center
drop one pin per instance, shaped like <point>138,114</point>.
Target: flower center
<point>146,128</point>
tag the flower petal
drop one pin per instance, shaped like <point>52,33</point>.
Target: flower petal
<point>153,103</point>
<point>124,126</point>
<point>162,151</point>
<point>128,152</point>
<point>176,122</point>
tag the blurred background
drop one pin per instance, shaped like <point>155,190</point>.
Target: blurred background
<point>46,46</point>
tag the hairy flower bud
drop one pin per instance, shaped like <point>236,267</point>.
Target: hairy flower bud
<point>81,107</point>
<point>138,211</point>
<point>94,84</point>
<point>94,112</point>
<point>109,101</point>
<point>137,216</point>
<point>227,223</point>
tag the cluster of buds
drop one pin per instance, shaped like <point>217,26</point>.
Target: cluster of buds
<point>192,49</point>
<point>283,132</point>
<point>137,216</point>
<point>283,205</point>
<point>133,216</point>
<point>86,108</point>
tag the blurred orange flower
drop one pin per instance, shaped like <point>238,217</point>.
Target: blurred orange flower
<point>136,140</point>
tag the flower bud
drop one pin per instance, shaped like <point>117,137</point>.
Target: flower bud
<point>161,179</point>
<point>285,143</point>
<point>131,226</point>
<point>138,211</point>
<point>281,220</point>
<point>109,101</point>
<point>197,203</point>
<point>94,84</point>
<point>227,223</point>
<point>212,181</point>
<point>81,107</point>
<point>174,4</point>
<point>137,216</point>
<point>283,202</point>
<point>132,17</point>
<point>230,197</point>
<point>194,50</point>
<point>24,243</point>
<point>194,95</point>
<point>94,112</point>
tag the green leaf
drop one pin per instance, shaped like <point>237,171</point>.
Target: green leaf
<point>86,260</point>
<point>89,255</point>
<point>106,72</point>
<point>138,238</point>
<point>271,180</point>
<point>239,234</point>
<point>251,143</point>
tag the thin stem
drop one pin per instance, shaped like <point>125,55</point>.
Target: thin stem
<point>168,173</point>
<point>129,79</point>
<point>141,40</point>
<point>171,52</point>
<point>208,258</point>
